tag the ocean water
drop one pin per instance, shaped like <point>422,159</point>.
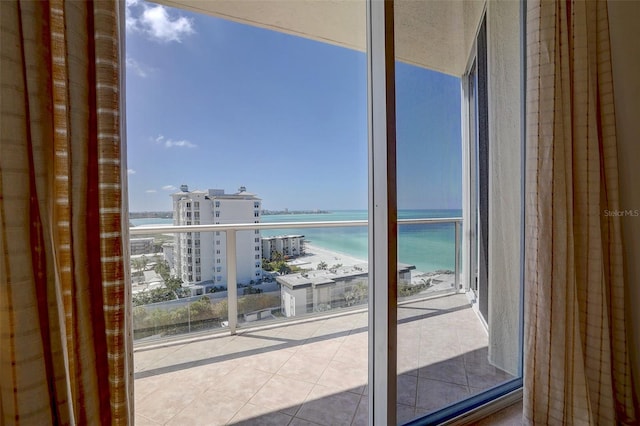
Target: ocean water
<point>428,247</point>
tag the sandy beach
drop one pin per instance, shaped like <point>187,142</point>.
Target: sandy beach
<point>315,255</point>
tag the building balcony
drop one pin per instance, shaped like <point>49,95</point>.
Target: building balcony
<point>313,371</point>
<point>250,364</point>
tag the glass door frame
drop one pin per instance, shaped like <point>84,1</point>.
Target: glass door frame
<point>383,225</point>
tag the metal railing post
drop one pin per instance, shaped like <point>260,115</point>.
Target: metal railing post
<point>232,285</point>
<point>457,254</point>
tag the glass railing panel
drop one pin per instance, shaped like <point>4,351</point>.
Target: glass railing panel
<point>185,291</point>
<point>177,317</point>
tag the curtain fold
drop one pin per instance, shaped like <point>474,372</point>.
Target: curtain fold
<point>65,342</point>
<point>577,368</point>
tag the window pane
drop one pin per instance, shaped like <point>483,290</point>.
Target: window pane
<point>213,105</point>
<point>444,160</point>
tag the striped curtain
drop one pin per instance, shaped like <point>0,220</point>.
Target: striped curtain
<point>577,369</point>
<point>65,341</point>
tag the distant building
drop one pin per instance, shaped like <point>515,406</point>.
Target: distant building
<point>287,245</point>
<point>141,245</point>
<point>168,252</point>
<point>323,290</point>
<point>202,256</point>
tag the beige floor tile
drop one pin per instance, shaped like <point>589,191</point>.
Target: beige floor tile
<point>302,366</point>
<point>357,356</point>
<point>270,361</point>
<point>206,411</point>
<point>141,420</point>
<point>294,372</point>
<point>331,409</point>
<point>408,363</point>
<point>281,393</point>
<point>301,331</point>
<point>433,394</point>
<point>438,352</point>
<point>405,413</point>
<point>320,348</point>
<point>143,387</point>
<point>361,417</point>
<point>407,389</point>
<point>241,383</point>
<point>196,351</point>
<point>450,370</point>
<point>215,370</point>
<point>167,401</point>
<point>254,415</point>
<point>301,422</point>
<point>484,375</point>
<point>478,356</point>
<point>358,339</point>
<point>242,346</point>
<point>345,377</point>
<point>145,359</point>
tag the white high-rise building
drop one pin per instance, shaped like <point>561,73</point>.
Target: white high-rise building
<point>201,257</point>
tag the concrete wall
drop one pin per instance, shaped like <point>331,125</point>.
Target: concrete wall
<point>624,17</point>
<point>505,177</point>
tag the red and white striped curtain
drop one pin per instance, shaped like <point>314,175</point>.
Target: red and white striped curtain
<point>65,342</point>
<point>577,368</point>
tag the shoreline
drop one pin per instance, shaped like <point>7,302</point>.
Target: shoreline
<point>314,255</point>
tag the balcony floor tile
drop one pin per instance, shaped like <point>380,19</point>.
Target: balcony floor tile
<point>313,372</point>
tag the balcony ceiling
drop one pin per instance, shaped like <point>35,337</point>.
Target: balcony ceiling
<point>434,34</point>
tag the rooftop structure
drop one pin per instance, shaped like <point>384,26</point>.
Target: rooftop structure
<point>329,289</point>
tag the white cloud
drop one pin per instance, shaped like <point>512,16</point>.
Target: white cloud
<point>156,22</point>
<point>150,191</point>
<point>131,21</point>
<point>169,188</point>
<point>181,143</point>
<point>136,67</point>
<point>131,172</point>
<point>170,143</point>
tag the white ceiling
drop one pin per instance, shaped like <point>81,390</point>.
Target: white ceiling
<point>434,34</point>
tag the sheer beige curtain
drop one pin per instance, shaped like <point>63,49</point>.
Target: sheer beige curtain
<point>577,367</point>
<point>65,343</point>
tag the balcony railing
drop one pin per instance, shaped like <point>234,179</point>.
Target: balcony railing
<point>231,231</point>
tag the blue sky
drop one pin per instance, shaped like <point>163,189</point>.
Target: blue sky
<point>217,104</point>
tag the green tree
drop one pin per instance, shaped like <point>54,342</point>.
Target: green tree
<point>144,262</point>
<point>357,294</point>
<point>137,264</point>
<point>257,302</point>
<point>221,310</point>
<point>322,265</point>
<point>283,268</point>
<point>162,269</point>
<point>251,290</point>
<point>335,267</point>
<point>201,309</point>
<point>267,265</point>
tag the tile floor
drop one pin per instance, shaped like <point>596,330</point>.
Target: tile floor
<point>314,372</point>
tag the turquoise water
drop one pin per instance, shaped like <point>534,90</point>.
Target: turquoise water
<point>428,247</point>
